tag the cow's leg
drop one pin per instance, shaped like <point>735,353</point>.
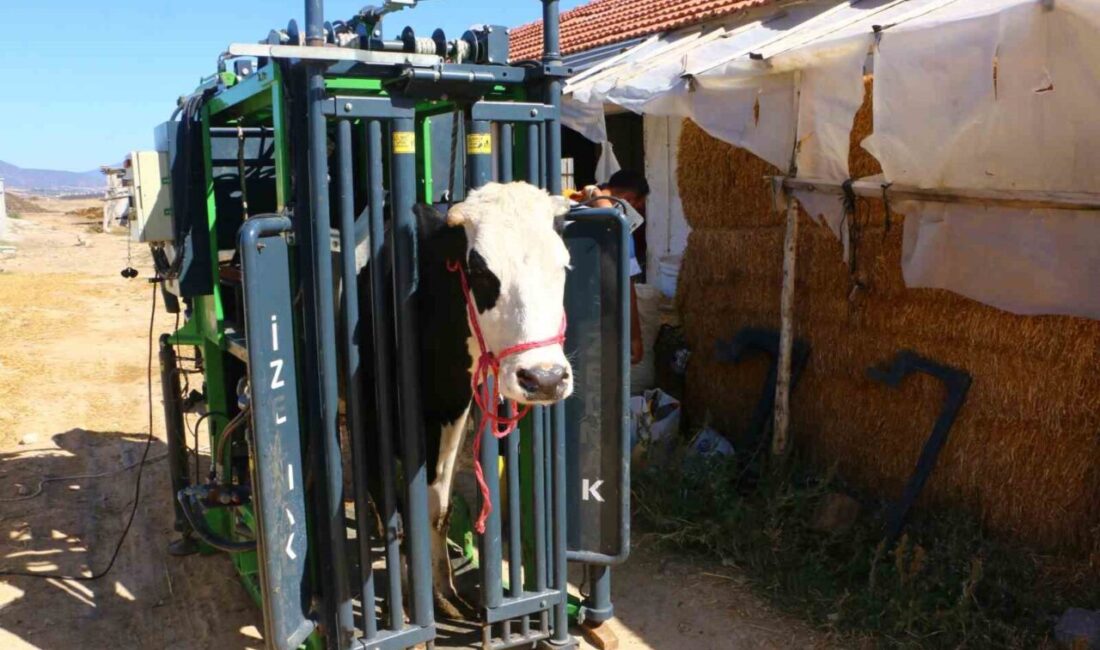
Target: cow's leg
<point>451,605</point>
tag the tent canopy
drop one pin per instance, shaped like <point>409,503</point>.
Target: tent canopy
<point>969,94</point>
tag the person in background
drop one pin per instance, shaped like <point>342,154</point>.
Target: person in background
<point>632,189</point>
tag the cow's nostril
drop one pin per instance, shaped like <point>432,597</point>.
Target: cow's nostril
<point>541,380</point>
<point>527,380</point>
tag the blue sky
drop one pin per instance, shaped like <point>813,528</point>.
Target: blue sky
<point>84,81</point>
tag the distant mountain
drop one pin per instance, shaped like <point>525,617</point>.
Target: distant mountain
<point>50,180</point>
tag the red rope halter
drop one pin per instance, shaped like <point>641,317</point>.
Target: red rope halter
<point>487,399</point>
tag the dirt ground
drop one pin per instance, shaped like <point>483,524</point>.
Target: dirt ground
<point>73,362</point>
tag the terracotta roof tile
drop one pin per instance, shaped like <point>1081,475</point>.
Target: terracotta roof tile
<point>602,22</point>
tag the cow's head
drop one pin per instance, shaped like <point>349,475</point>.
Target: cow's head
<point>515,262</point>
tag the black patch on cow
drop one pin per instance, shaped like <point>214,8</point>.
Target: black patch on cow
<point>484,284</point>
<point>444,358</point>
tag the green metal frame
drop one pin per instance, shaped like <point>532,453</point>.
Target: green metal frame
<point>254,101</point>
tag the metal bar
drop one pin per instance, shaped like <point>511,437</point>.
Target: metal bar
<point>539,497</point>
<point>474,75</point>
<point>546,496</point>
<point>491,558</point>
<point>515,521</point>
<point>534,154</point>
<point>278,485</point>
<point>339,618</point>
<point>512,112</point>
<point>532,603</point>
<point>526,641</point>
<point>382,318</point>
<point>479,152</point>
<point>506,171</point>
<point>318,53</point>
<point>315,23</point>
<point>174,429</point>
<point>403,193</point>
<point>1017,199</point>
<point>598,607</point>
<point>353,384</point>
<point>234,132</point>
<point>561,578</point>
<point>410,637</point>
<point>365,107</point>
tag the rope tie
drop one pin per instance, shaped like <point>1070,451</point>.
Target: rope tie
<point>487,395</point>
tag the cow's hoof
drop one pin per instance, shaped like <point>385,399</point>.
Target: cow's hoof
<point>453,607</point>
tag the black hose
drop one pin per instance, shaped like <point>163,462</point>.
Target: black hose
<point>198,525</point>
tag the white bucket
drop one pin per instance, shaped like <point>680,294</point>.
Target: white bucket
<point>668,270</point>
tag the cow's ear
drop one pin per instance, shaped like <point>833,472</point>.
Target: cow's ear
<point>429,220</point>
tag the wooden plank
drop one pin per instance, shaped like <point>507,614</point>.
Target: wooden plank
<point>1017,199</point>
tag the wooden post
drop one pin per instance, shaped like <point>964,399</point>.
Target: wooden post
<point>780,436</point>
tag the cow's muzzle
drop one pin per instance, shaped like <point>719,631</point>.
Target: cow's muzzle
<point>544,382</point>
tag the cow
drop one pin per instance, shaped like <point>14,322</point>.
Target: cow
<point>496,264</point>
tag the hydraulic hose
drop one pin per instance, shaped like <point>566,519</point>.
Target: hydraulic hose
<point>198,525</point>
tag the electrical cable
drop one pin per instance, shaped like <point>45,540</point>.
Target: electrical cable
<point>137,482</point>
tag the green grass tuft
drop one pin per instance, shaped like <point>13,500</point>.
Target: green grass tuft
<point>946,584</point>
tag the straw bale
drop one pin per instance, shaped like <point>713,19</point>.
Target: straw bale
<point>1022,452</point>
<point>723,186</point>
<point>860,161</point>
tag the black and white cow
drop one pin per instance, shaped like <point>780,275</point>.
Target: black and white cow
<point>507,239</point>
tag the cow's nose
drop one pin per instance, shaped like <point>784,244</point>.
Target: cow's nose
<point>542,381</point>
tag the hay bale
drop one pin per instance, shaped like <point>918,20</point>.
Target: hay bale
<point>723,186</point>
<point>1021,454</point>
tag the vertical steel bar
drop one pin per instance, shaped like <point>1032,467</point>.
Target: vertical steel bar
<point>382,318</point>
<point>598,604</point>
<point>479,152</point>
<point>315,22</point>
<point>506,170</point>
<point>546,500</point>
<point>552,95</point>
<point>353,385</point>
<point>491,559</point>
<point>403,192</point>
<point>330,522</point>
<point>561,578</point>
<point>515,549</point>
<point>174,431</point>
<point>539,497</point>
<point>534,153</point>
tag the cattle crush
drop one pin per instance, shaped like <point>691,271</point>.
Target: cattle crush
<point>292,223</point>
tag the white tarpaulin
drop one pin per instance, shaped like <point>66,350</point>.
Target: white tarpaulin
<point>971,94</point>
<point>996,94</point>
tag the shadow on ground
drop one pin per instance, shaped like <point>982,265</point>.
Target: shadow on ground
<point>149,599</point>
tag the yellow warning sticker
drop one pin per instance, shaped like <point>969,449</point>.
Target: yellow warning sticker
<point>479,143</point>
<point>404,142</point>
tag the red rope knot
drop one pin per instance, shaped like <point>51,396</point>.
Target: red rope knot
<point>488,399</point>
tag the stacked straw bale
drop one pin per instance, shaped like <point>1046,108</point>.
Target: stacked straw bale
<point>1023,452</point>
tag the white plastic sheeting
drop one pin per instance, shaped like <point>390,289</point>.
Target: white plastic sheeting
<point>976,94</point>
<point>996,94</point>
<point>667,228</point>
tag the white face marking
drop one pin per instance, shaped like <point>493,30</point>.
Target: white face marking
<point>512,228</point>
